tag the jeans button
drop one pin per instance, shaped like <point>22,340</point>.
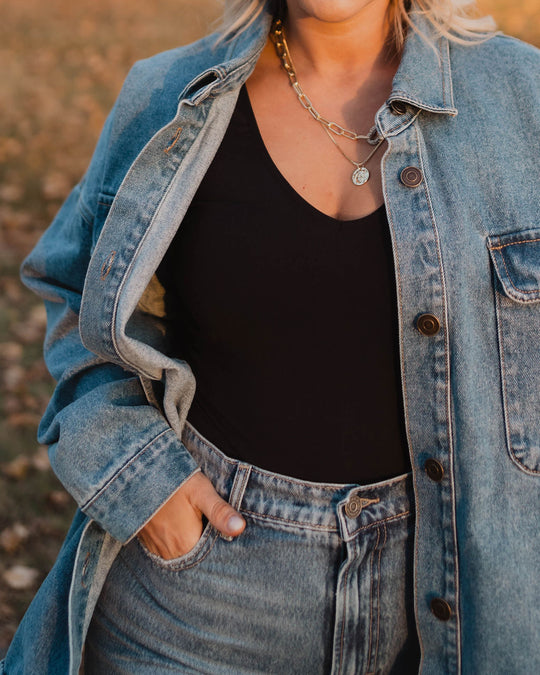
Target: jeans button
<point>441,609</point>
<point>428,324</point>
<point>411,176</point>
<point>434,469</point>
<point>354,506</point>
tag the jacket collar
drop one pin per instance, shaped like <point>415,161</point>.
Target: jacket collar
<point>424,76</point>
<point>423,79</point>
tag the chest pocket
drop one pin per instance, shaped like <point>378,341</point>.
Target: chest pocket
<point>516,261</point>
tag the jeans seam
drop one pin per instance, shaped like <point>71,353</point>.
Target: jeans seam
<point>343,620</point>
<point>379,597</point>
<point>376,523</point>
<point>370,640</point>
<point>499,247</point>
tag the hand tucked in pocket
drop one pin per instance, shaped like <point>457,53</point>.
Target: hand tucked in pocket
<point>175,529</point>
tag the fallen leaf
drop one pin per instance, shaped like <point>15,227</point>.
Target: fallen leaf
<point>18,468</point>
<point>12,289</point>
<point>11,193</point>
<point>12,537</point>
<point>12,405</point>
<point>11,352</point>
<point>13,376</point>
<point>33,327</point>
<point>59,500</point>
<point>23,419</point>
<point>40,460</point>
<point>38,315</point>
<point>20,577</point>
<point>55,186</point>
<point>10,148</point>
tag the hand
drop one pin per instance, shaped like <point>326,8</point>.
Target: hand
<point>175,529</point>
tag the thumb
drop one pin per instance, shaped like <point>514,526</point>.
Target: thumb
<point>219,512</point>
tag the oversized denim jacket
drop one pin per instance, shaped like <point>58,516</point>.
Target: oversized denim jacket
<point>466,243</point>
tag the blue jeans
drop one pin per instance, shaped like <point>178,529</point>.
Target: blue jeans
<point>321,581</point>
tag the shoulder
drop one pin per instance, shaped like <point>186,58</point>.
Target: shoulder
<point>498,80</point>
<point>157,82</point>
<point>147,102</point>
<point>176,67</point>
<point>501,60</point>
<point>510,50</point>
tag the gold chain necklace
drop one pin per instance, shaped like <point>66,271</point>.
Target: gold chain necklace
<point>361,174</point>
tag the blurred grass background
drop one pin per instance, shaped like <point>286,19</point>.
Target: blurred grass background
<point>62,65</point>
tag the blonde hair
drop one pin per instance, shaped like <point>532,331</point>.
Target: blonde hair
<point>458,20</point>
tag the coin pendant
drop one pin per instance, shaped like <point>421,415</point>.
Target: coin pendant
<point>360,175</point>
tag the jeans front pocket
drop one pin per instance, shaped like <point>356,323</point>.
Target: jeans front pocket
<point>190,559</point>
<point>516,262</point>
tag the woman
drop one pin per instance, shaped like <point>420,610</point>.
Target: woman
<point>355,489</point>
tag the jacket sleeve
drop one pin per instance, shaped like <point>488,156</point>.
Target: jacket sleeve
<point>113,451</point>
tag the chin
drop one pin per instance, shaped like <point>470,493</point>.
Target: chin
<point>330,11</point>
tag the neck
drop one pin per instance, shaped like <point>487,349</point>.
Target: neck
<point>334,44</point>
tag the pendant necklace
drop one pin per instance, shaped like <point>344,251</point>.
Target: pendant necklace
<point>360,175</point>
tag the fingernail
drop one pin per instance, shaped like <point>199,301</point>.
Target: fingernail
<point>235,524</point>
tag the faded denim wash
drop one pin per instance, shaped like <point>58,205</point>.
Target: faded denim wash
<point>321,581</point>
<point>466,242</point>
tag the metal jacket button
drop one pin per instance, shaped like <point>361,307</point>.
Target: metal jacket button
<point>428,324</point>
<point>434,469</point>
<point>398,107</point>
<point>411,176</point>
<point>441,609</point>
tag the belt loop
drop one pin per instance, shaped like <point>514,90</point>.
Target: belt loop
<point>243,471</point>
<point>241,478</point>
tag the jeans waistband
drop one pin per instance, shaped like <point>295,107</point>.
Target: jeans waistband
<point>345,508</point>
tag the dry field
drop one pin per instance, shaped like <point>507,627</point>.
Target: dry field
<point>62,64</point>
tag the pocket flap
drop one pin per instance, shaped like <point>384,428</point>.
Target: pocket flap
<point>516,258</point>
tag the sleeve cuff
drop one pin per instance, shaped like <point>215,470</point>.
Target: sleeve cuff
<point>142,486</point>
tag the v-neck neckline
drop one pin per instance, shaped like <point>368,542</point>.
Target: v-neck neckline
<point>245,103</point>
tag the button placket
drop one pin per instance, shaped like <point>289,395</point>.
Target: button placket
<point>425,366</point>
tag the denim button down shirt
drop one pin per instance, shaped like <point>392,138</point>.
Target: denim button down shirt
<point>466,239</point>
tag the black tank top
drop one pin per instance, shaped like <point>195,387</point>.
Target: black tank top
<point>288,319</point>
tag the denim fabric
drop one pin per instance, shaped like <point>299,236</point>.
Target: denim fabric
<point>465,241</point>
<point>309,587</point>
